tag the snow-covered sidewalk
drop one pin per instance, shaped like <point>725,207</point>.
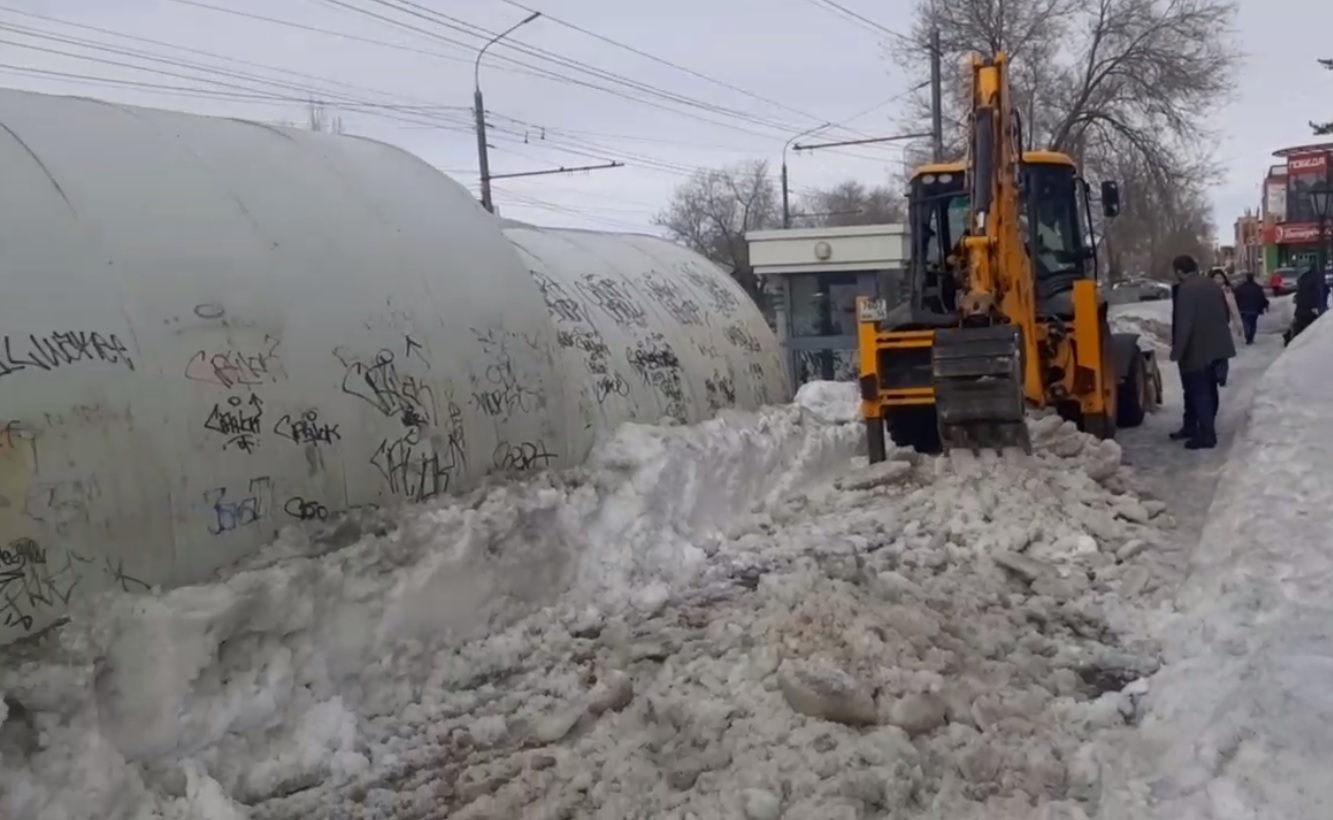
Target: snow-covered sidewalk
<point>1240,716</point>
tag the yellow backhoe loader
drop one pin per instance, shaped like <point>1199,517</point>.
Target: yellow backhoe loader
<point>1004,311</point>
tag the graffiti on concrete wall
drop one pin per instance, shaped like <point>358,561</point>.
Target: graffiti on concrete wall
<point>30,583</point>
<point>613,298</point>
<point>232,508</point>
<point>522,457</point>
<point>656,363</point>
<point>660,311</point>
<point>423,458</point>
<point>379,384</point>
<point>575,330</point>
<point>674,300</point>
<point>54,350</point>
<point>306,428</point>
<point>229,367</point>
<point>36,584</point>
<point>510,385</point>
<point>720,391</point>
<point>238,421</point>
<point>37,580</point>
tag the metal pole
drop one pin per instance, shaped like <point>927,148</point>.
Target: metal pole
<point>786,204</point>
<point>479,111</point>
<point>786,209</point>
<point>936,97</point>
<point>1321,256</point>
<point>483,158</point>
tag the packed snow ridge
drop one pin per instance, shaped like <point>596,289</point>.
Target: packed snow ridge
<point>1238,719</point>
<point>737,619</point>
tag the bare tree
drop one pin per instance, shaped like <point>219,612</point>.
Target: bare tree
<point>1099,79</point>
<point>1155,225</point>
<point>1323,129</point>
<point>318,119</point>
<point>713,210</point>
<point>852,203</point>
<point>1127,87</point>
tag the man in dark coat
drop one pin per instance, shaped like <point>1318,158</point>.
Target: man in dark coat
<point>1200,341</point>
<point>1250,302</point>
<point>1310,299</point>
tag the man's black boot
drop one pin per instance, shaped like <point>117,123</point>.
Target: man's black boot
<point>1182,434</point>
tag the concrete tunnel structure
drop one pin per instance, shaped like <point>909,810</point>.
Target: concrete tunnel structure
<point>214,328</point>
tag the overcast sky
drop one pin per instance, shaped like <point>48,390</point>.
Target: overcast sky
<point>724,81</point>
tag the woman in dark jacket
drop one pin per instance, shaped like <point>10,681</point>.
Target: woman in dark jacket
<point>1250,302</point>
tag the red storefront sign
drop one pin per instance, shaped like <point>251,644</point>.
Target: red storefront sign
<point>1308,165</point>
<point>1292,233</point>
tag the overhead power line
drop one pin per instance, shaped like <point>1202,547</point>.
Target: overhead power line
<point>508,63</point>
<point>561,170</point>
<point>653,95</point>
<point>239,85</point>
<point>860,20</point>
<point>895,138</point>
<point>662,61</point>
<point>199,52</point>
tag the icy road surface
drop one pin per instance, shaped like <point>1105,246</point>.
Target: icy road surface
<point>733,620</point>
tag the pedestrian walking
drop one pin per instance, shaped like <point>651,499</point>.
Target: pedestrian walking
<point>1200,343</point>
<point>1251,301</point>
<point>1233,311</point>
<point>1311,295</point>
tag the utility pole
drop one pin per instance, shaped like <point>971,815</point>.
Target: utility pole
<point>936,97</point>
<point>479,111</point>
<point>786,188</point>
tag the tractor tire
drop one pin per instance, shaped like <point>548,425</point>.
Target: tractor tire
<point>1132,397</point>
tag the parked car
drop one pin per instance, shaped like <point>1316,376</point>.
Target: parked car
<point>1283,281</point>
<point>1140,290</point>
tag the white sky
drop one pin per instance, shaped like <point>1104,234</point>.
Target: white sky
<point>416,91</point>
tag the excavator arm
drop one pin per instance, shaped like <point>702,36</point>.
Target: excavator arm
<point>984,368</point>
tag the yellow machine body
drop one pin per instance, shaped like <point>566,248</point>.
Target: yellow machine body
<point>1005,312</point>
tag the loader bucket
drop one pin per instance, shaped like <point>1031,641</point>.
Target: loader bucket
<point>979,399</point>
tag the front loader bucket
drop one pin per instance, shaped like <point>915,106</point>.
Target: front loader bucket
<point>979,399</point>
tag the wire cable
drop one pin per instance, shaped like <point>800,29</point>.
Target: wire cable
<point>249,85</point>
<point>482,34</point>
<point>662,61</point>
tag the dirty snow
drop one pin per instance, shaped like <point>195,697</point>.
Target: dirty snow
<point>726,620</point>
<point>734,620</point>
<point>1239,718</point>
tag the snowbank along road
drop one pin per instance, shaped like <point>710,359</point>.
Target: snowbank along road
<point>733,620</point>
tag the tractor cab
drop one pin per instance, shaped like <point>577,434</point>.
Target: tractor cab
<point>1057,223</point>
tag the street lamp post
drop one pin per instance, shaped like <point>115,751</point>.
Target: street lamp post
<point>786,202</point>
<point>479,111</point>
<point>1321,198</point>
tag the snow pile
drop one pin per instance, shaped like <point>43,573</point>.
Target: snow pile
<point>1242,710</point>
<point>833,402</point>
<point>270,681</point>
<point>890,641</point>
<point>1151,320</point>
<point>930,636</point>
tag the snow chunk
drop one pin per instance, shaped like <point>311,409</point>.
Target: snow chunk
<point>834,402</point>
